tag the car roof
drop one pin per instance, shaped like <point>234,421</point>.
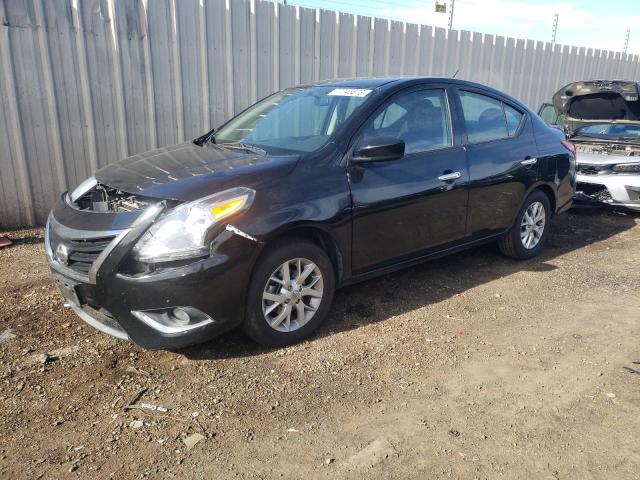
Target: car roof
<point>369,82</point>
<point>399,81</point>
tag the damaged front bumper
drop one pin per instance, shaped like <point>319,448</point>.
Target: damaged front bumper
<point>164,307</point>
<point>613,189</point>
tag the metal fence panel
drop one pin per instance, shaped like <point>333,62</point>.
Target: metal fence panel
<point>87,82</point>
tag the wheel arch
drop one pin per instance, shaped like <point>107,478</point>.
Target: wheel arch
<point>318,235</point>
<point>549,189</point>
<point>550,192</point>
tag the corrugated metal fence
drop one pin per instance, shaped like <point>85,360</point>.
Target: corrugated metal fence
<point>87,82</point>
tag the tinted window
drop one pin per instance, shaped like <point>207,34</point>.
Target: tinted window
<point>483,117</point>
<point>419,118</point>
<point>513,117</point>
<point>391,115</point>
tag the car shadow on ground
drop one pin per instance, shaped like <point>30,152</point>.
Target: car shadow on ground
<point>432,282</point>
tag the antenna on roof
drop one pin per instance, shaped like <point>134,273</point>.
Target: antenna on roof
<point>455,74</point>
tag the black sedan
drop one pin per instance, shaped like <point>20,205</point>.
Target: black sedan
<point>257,223</point>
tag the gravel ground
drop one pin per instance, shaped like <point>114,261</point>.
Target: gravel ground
<point>471,366</point>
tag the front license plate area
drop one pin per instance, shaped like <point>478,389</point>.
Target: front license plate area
<point>68,288</point>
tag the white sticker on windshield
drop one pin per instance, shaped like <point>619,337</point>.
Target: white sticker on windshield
<point>350,92</point>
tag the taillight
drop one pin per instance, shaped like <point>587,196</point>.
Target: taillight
<point>569,146</point>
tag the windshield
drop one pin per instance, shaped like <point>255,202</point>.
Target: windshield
<point>296,119</point>
<point>610,130</point>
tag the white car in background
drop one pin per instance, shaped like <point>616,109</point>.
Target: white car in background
<point>602,119</point>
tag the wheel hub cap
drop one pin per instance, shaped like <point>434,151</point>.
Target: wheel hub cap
<point>532,225</point>
<point>292,294</point>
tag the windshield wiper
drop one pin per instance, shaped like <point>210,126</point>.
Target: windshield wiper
<point>244,146</point>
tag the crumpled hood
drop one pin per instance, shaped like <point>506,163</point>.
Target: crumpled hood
<point>187,171</point>
<point>596,101</point>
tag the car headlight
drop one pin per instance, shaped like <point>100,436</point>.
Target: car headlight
<point>627,168</point>
<point>83,188</point>
<point>182,233</point>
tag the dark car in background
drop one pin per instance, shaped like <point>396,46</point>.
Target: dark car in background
<point>315,187</point>
<point>602,119</point>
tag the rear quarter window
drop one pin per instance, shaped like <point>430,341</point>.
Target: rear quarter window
<point>514,117</point>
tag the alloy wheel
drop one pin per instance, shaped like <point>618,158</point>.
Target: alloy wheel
<point>532,225</point>
<point>292,295</point>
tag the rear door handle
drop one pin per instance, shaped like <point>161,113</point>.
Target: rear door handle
<point>529,161</point>
<point>447,177</point>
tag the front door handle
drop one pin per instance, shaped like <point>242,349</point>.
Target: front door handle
<point>447,177</point>
<point>529,161</point>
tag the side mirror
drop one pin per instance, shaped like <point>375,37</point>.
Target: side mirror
<point>379,149</point>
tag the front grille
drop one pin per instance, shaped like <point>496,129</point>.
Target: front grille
<point>83,253</point>
<point>73,252</point>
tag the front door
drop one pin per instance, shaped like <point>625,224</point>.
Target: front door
<point>402,208</point>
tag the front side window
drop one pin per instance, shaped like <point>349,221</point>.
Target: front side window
<point>420,119</point>
<point>488,119</point>
<point>296,119</point>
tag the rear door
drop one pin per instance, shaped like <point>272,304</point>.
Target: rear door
<point>502,158</point>
<point>403,207</point>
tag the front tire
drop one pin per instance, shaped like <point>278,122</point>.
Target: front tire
<point>290,293</point>
<point>529,232</point>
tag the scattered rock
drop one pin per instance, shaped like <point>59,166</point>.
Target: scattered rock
<point>63,352</point>
<point>137,371</point>
<point>7,335</point>
<point>192,440</point>
<point>43,358</point>
<point>136,424</point>
<point>373,454</point>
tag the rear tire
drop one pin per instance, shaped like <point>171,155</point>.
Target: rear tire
<point>528,234</point>
<point>290,293</point>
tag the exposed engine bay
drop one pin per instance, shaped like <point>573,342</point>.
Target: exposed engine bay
<point>104,199</point>
<point>608,148</point>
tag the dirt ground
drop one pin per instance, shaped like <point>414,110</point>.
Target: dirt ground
<point>471,366</point>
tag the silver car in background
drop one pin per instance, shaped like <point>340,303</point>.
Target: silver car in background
<point>602,119</point>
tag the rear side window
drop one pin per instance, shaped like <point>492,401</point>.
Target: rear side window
<point>488,119</point>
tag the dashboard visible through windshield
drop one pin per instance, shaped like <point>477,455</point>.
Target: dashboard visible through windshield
<point>301,120</point>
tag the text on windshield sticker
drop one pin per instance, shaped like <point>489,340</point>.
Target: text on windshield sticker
<point>350,92</point>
